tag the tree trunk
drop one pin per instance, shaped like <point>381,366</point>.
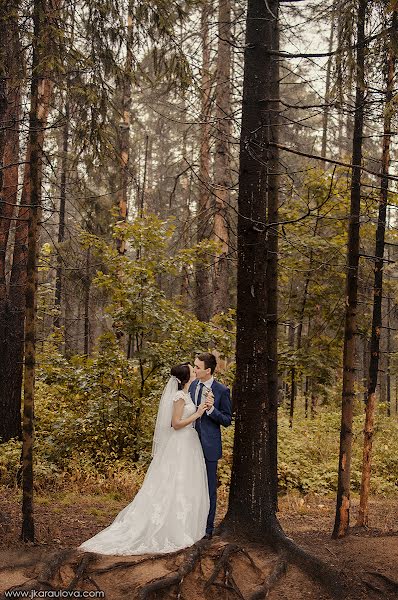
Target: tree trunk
<point>62,206</point>
<point>222,158</point>
<point>35,144</point>
<point>14,345</point>
<point>388,349</point>
<point>325,115</point>
<point>377,323</point>
<point>124,129</point>
<point>10,398</point>
<point>306,395</point>
<point>302,313</point>
<point>272,259</point>
<point>292,376</point>
<point>396,394</point>
<point>348,395</point>
<point>388,358</point>
<point>203,304</point>
<point>252,500</point>
<point>87,285</point>
<point>314,402</point>
<point>142,190</point>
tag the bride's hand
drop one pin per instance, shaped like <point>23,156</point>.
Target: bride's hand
<point>201,409</point>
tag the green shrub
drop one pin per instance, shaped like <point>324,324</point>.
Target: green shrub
<point>308,453</point>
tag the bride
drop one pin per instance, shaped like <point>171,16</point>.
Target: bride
<point>170,510</point>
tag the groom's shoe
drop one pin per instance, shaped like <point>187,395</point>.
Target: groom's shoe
<point>208,535</point>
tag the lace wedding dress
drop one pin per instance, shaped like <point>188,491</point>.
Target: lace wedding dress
<point>170,510</point>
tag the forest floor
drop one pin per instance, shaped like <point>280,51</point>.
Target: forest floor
<point>367,558</point>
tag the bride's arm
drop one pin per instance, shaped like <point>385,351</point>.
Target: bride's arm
<point>178,408</point>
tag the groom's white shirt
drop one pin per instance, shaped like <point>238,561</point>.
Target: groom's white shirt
<point>207,384</point>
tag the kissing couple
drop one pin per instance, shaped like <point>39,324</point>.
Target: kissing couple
<point>176,504</point>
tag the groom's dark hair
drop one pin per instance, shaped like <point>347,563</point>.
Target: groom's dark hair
<point>209,360</point>
<point>182,372</point>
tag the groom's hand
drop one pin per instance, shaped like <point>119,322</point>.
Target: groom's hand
<point>209,400</point>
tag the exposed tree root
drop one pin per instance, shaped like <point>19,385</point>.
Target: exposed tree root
<point>315,568</point>
<point>22,565</point>
<point>28,585</point>
<point>85,561</point>
<point>176,578</point>
<point>224,564</point>
<point>49,571</point>
<point>276,574</point>
<point>51,568</point>
<point>327,576</point>
<point>93,582</point>
<point>373,587</point>
<point>231,587</point>
<point>127,565</point>
<point>391,584</point>
<point>202,565</point>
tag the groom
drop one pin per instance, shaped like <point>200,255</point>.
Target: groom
<point>218,412</point>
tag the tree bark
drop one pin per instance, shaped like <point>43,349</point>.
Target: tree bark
<point>10,399</point>
<point>87,286</point>
<point>272,261</point>
<point>341,524</point>
<point>203,302</point>
<point>222,179</point>
<point>252,500</point>
<point>325,115</point>
<point>377,320</point>
<point>62,207</point>
<point>124,129</point>
<point>306,395</point>
<point>292,376</point>
<point>15,314</point>
<point>388,350</point>
<point>35,125</point>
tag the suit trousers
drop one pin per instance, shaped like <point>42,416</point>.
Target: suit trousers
<point>211,468</point>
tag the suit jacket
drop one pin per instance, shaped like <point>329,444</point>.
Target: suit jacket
<point>210,432</point>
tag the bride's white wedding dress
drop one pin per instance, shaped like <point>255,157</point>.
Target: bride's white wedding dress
<point>170,510</point>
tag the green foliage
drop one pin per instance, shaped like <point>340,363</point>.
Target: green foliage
<point>164,332</point>
<point>312,276</point>
<point>10,455</point>
<point>308,454</point>
<point>97,413</point>
<point>89,407</point>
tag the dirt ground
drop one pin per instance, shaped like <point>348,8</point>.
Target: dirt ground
<point>368,558</point>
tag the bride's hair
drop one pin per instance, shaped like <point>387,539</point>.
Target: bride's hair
<point>182,373</point>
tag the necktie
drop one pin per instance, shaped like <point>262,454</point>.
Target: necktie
<point>199,397</point>
<point>198,401</point>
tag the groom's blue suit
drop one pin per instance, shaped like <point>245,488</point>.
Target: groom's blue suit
<point>208,428</point>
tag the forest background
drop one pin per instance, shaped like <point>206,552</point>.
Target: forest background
<point>138,121</point>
